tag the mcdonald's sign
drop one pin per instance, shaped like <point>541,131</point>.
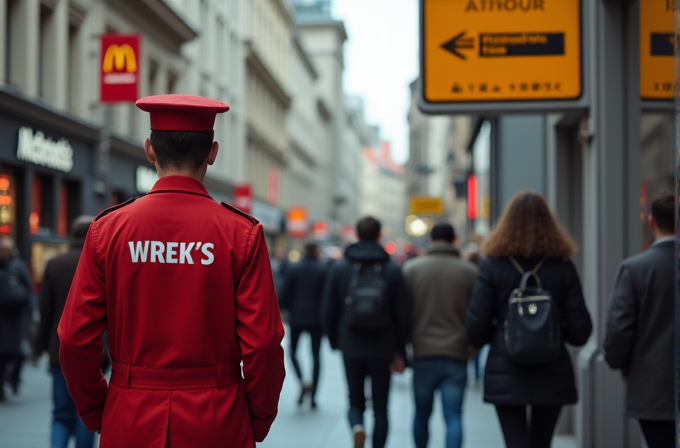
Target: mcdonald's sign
<point>119,68</point>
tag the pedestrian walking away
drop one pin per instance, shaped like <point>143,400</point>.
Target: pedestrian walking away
<point>528,391</point>
<point>56,283</point>
<point>440,285</point>
<point>184,286</point>
<point>366,317</point>
<point>17,303</point>
<point>300,295</point>
<point>640,334</point>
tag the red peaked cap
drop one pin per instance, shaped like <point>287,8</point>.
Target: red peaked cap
<point>181,112</point>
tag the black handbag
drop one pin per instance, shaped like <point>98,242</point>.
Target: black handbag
<point>532,324</point>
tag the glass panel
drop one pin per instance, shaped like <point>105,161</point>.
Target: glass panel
<point>8,201</point>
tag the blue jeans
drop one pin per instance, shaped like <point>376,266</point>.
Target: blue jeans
<point>65,420</point>
<point>449,375</point>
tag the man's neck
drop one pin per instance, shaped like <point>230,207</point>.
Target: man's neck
<point>664,235</point>
<point>199,175</point>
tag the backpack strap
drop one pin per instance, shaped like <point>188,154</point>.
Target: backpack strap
<point>517,266</point>
<point>527,275</point>
<point>522,271</point>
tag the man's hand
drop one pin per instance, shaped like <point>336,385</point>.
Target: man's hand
<point>398,365</point>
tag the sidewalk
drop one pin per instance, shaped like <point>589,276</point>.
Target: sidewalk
<point>327,427</point>
<point>25,420</point>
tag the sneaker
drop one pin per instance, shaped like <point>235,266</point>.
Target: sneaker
<point>359,436</point>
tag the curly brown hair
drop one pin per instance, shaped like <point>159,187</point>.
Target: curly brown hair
<point>527,228</point>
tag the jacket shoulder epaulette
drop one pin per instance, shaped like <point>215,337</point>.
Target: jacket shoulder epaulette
<point>113,209</point>
<point>240,212</point>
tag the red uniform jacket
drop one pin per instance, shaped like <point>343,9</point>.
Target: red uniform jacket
<point>184,287</point>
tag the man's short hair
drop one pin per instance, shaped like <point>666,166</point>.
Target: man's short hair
<point>443,232</point>
<point>182,149</point>
<point>663,211</point>
<point>311,249</point>
<point>368,229</point>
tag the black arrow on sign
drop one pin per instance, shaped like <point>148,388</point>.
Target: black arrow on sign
<point>457,43</point>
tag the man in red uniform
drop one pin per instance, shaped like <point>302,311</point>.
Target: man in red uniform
<point>184,286</point>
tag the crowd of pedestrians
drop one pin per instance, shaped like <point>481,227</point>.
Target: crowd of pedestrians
<point>517,293</point>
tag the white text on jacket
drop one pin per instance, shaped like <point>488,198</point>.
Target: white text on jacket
<point>170,252</point>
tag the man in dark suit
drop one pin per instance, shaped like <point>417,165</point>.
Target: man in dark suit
<point>639,339</point>
<point>59,274</point>
<point>300,295</point>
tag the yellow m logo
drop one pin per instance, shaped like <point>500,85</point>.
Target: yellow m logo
<point>119,55</point>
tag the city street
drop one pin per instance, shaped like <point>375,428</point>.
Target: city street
<point>25,420</point>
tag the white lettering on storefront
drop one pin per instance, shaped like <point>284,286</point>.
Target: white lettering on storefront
<point>41,150</point>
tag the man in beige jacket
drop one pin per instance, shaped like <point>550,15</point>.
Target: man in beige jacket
<point>440,284</point>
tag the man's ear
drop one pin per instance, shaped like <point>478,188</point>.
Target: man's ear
<point>150,153</point>
<point>651,222</point>
<point>213,153</point>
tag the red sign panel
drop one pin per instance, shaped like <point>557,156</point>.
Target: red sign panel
<point>273,185</point>
<point>243,198</point>
<point>297,223</point>
<point>119,68</point>
<point>472,197</point>
<point>321,231</point>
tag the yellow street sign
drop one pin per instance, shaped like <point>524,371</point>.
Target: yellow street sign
<point>657,48</point>
<point>424,205</point>
<point>501,50</point>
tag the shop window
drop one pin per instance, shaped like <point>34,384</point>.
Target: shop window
<point>8,200</point>
<point>40,220</point>
<point>62,224</point>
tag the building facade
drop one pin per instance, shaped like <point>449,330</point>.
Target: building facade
<point>278,67</point>
<point>383,191</point>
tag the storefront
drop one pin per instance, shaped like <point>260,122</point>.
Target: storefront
<point>46,180</point>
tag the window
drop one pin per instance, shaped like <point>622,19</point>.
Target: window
<point>8,200</point>
<point>73,76</point>
<point>46,59</point>
<point>41,217</point>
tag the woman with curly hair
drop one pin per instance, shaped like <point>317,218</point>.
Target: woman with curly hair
<point>527,237</point>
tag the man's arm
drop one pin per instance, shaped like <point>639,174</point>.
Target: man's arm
<point>330,314</point>
<point>260,331</point>
<point>621,321</point>
<point>80,333</point>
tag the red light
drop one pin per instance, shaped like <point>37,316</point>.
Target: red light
<point>6,228</point>
<point>472,196</point>
<point>391,248</point>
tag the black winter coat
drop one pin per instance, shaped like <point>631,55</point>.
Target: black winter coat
<point>369,344</point>
<point>56,283</point>
<point>301,292</point>
<point>548,384</point>
<point>17,303</point>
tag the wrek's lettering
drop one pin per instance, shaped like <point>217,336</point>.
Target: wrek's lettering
<point>171,252</point>
<point>505,5</point>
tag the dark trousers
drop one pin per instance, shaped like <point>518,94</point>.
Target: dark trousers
<point>14,362</point>
<point>316,335</point>
<point>379,371</point>
<point>528,431</point>
<point>658,433</point>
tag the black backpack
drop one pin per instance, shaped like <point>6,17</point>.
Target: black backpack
<point>532,324</point>
<point>365,303</point>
